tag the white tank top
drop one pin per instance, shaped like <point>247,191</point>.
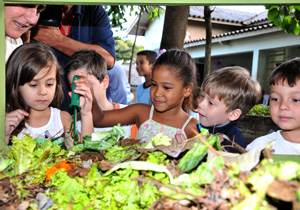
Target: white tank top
<point>52,129</point>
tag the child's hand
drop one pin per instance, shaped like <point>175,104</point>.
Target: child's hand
<point>12,120</point>
<point>178,138</point>
<point>85,90</point>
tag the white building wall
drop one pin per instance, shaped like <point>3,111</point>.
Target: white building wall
<point>252,44</point>
<point>261,42</point>
<point>153,34</point>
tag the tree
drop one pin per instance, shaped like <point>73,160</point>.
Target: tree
<point>124,48</point>
<point>117,17</point>
<point>287,17</point>
<point>175,25</point>
<point>116,14</point>
<point>208,27</point>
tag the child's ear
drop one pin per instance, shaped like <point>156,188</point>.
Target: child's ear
<point>234,114</point>
<point>151,65</point>
<point>105,81</point>
<point>188,90</point>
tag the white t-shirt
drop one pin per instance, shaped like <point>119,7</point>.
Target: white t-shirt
<point>281,146</point>
<point>10,45</point>
<point>53,128</point>
<point>127,128</point>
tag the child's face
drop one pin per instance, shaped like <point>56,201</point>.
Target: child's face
<point>39,93</point>
<point>212,111</point>
<point>143,67</point>
<point>285,106</point>
<point>167,91</point>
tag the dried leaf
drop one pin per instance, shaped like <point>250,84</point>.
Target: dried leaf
<point>173,150</point>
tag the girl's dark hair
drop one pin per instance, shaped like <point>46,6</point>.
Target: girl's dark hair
<point>92,61</point>
<point>184,68</point>
<point>288,71</point>
<point>150,55</point>
<point>23,65</point>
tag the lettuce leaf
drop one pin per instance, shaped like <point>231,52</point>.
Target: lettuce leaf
<point>22,153</point>
<point>158,139</point>
<point>5,163</point>
<point>117,153</point>
<point>101,140</point>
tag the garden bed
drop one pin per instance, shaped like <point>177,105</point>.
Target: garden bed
<point>48,177</point>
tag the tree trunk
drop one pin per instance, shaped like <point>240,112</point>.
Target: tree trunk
<point>208,27</point>
<point>176,19</point>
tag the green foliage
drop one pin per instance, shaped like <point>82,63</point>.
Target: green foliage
<point>155,13</point>
<point>101,140</point>
<point>259,109</point>
<point>124,48</point>
<point>116,13</point>
<point>117,16</point>
<point>287,17</point>
<point>27,155</point>
<point>139,184</point>
<point>193,157</point>
<point>117,153</point>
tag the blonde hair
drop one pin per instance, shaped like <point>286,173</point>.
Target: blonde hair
<point>234,86</point>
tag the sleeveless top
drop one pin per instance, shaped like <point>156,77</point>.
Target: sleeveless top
<point>52,129</point>
<point>150,128</point>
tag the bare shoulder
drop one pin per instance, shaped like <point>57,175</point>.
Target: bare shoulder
<point>191,128</point>
<point>140,111</point>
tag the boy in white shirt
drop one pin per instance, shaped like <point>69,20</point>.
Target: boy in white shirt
<point>284,110</point>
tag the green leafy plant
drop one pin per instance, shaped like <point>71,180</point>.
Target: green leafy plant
<point>287,17</point>
<point>259,109</point>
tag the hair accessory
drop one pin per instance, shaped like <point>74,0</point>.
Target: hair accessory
<point>160,53</point>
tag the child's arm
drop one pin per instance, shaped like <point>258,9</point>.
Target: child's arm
<point>132,114</point>
<point>66,119</point>
<point>12,120</point>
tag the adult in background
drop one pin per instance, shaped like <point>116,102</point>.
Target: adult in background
<point>82,27</point>
<point>18,20</point>
<point>118,90</point>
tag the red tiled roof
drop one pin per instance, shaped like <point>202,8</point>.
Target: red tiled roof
<point>231,33</point>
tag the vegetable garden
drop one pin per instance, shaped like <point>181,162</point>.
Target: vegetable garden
<point>108,172</point>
